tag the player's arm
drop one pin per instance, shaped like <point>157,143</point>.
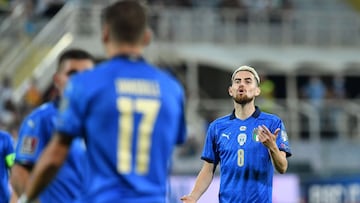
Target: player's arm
<point>46,168</point>
<point>26,152</point>
<point>202,182</point>
<point>269,140</point>
<point>13,197</point>
<point>279,160</point>
<point>19,177</point>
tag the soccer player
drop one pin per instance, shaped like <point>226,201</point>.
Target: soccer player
<point>36,131</point>
<point>130,113</point>
<point>247,143</point>
<point>7,154</point>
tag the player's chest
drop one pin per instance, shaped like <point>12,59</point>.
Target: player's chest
<point>241,146</point>
<point>237,137</point>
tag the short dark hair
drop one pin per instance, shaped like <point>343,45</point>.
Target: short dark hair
<point>73,54</point>
<point>127,20</point>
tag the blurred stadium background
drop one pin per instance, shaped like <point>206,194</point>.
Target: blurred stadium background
<point>307,52</point>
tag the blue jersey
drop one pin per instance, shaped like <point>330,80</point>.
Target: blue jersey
<point>7,155</point>
<point>246,170</point>
<point>35,133</point>
<point>131,115</point>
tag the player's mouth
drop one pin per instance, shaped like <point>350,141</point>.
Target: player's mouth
<point>241,91</point>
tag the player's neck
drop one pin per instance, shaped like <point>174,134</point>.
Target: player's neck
<point>124,49</point>
<point>244,111</point>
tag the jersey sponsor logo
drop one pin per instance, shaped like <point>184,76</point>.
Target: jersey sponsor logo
<point>255,135</point>
<point>241,139</point>
<point>29,145</point>
<point>225,135</point>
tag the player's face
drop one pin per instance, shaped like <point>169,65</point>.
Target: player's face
<point>69,67</point>
<point>244,87</point>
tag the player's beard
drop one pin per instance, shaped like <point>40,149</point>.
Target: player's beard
<point>242,99</point>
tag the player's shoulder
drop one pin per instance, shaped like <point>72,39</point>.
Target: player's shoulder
<point>167,78</point>
<point>89,76</point>
<point>4,135</point>
<point>163,72</point>
<point>44,110</point>
<point>85,74</point>
<point>221,120</point>
<point>269,116</point>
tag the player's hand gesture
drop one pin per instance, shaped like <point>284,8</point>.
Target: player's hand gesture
<point>188,199</point>
<point>266,137</point>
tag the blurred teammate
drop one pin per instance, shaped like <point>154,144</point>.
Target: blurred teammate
<point>247,143</point>
<point>130,113</point>
<point>36,131</point>
<point>7,154</point>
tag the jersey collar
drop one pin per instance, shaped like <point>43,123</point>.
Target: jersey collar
<point>129,57</point>
<point>256,113</point>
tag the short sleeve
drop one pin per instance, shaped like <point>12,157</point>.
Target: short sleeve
<point>209,153</point>
<point>182,126</point>
<point>283,140</point>
<point>9,151</point>
<point>31,141</point>
<point>71,110</point>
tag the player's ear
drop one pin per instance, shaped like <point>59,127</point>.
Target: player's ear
<point>147,37</point>
<point>257,91</point>
<point>56,80</point>
<point>230,92</point>
<point>105,35</point>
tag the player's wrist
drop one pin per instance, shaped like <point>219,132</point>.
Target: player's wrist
<point>192,196</point>
<point>24,199</point>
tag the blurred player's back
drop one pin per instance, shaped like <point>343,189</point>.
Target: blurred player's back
<point>133,116</point>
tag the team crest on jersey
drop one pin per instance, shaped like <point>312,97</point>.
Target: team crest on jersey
<point>255,135</point>
<point>29,145</point>
<point>242,128</point>
<point>284,135</point>
<point>241,139</point>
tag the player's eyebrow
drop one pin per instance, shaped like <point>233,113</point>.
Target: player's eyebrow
<point>239,79</point>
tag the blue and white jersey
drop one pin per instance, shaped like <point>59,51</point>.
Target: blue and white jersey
<point>131,115</point>
<point>35,133</point>
<point>246,169</point>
